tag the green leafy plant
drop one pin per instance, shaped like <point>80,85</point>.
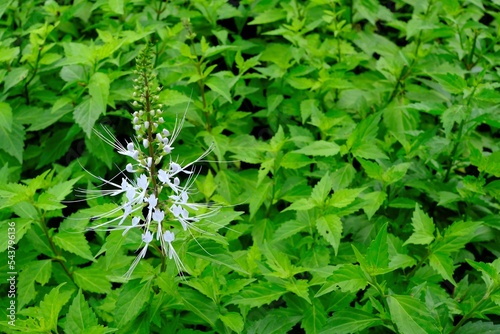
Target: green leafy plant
<point>337,169</point>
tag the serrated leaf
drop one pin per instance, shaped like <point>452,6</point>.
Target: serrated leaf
<point>220,86</point>
<point>411,316</point>
<point>372,169</point>
<point>451,82</point>
<point>455,237</point>
<point>301,204</point>
<point>395,173</point>
<point>5,117</point>
<point>80,317</point>
<point>75,243</point>
<point>214,252</point>
<point>350,321</point>
<point>256,295</point>
<point>133,296</point>
<point>12,141</point>
<point>299,287</point>
<point>295,160</point>
<point>92,279</point>
<point>233,320</point>
<point>15,76</point>
<point>489,273</point>
<point>88,111</point>
<point>343,177</point>
<point>372,202</point>
<point>100,149</point>
<point>368,150</point>
<point>423,228</point>
<point>321,190</point>
<point>320,148</point>
<point>443,264</point>
<point>40,272</point>
<point>52,304</point>
<point>377,255</point>
<point>287,229</point>
<point>344,197</point>
<point>347,278</point>
<point>330,228</point>
<point>314,318</point>
<point>116,6</point>
<point>270,15</point>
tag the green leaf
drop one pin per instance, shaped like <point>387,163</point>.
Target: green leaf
<point>330,228</point>
<point>74,242</point>
<point>200,305</point>
<point>80,317</point>
<point>443,264</point>
<point>51,305</point>
<point>100,149</point>
<point>58,144</point>
<point>368,150</point>
<point>343,177</point>
<point>372,202</point>
<point>321,190</point>
<point>489,273</point>
<point>260,195</point>
<point>321,148</point>
<point>423,228</point>
<point>116,6</point>
<point>287,229</point>
<point>214,252</point>
<point>455,237</point>
<point>372,169</point>
<point>270,15</point>
<point>451,82</point>
<point>233,320</point>
<point>92,279</point>
<point>377,255</point>
<point>5,117</point>
<point>88,111</point>
<point>256,295</point>
<point>294,160</point>
<point>40,272</point>
<point>315,317</point>
<point>350,321</point>
<point>347,277</point>
<point>133,296</point>
<point>14,77</point>
<point>477,327</point>
<point>220,86</point>
<point>12,141</point>
<point>411,316</point>
<point>344,197</point>
<point>395,173</point>
<point>302,204</point>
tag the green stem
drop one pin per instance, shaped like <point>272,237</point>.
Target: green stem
<point>148,108</point>
<point>35,70</point>
<point>469,314</point>
<point>201,83</point>
<point>418,265</point>
<point>54,248</point>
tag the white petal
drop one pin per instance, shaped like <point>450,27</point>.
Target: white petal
<point>158,215</point>
<point>168,236</point>
<point>147,237</point>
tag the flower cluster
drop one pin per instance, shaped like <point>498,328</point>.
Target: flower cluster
<point>156,199</point>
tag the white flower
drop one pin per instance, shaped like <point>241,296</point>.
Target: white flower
<point>147,237</point>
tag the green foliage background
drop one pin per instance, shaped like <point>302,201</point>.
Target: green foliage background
<point>357,155</point>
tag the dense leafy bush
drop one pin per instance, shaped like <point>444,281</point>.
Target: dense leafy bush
<point>353,181</point>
